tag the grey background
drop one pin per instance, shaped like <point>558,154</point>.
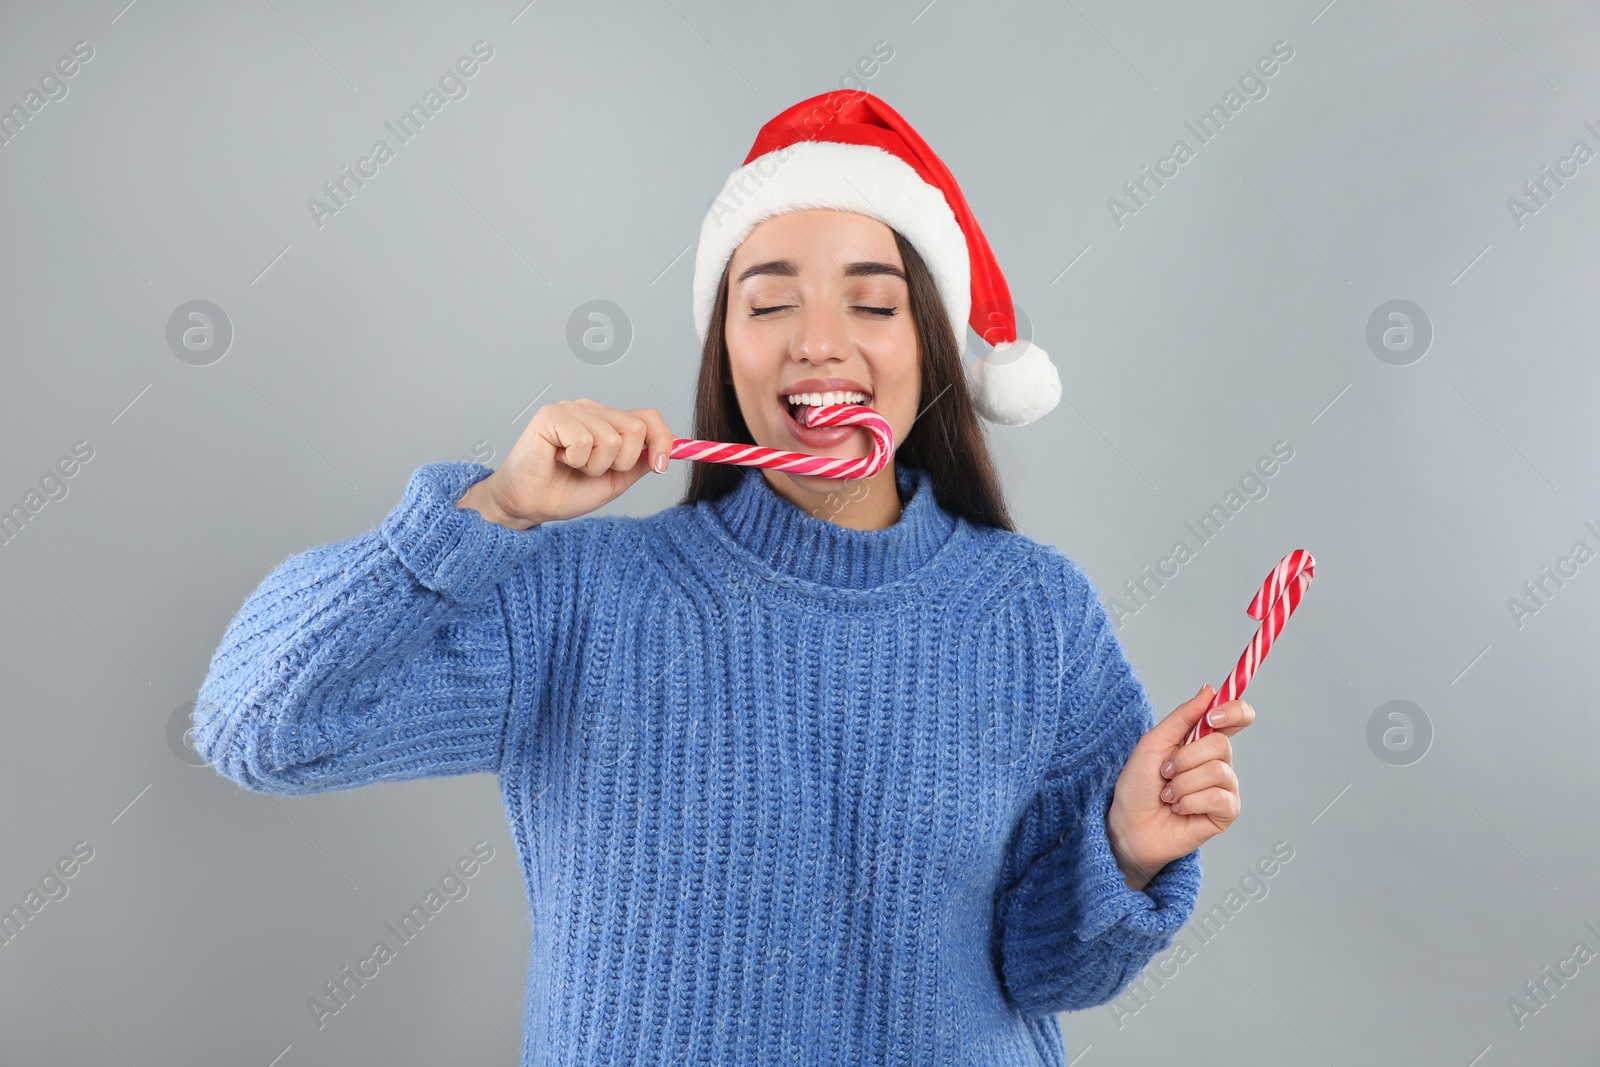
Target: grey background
<point>424,320</point>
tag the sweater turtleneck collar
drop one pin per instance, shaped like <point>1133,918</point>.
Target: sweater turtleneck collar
<point>790,540</point>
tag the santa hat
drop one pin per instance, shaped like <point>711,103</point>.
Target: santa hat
<point>850,151</point>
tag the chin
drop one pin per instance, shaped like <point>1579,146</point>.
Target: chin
<point>814,483</point>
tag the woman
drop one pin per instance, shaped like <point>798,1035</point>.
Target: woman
<point>798,770</point>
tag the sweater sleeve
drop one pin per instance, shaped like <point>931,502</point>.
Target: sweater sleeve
<point>385,656</point>
<point>1072,933</point>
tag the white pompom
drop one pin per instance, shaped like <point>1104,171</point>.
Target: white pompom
<point>1014,384</point>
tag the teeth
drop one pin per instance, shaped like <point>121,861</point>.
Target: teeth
<point>823,399</point>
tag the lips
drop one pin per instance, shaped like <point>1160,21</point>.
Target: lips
<point>816,439</point>
<point>796,409</point>
<point>824,385</point>
<point>845,390</point>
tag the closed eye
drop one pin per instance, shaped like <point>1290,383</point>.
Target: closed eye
<point>884,312</point>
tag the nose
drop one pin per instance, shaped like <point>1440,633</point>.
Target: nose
<point>821,335</point>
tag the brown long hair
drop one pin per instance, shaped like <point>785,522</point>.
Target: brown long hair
<point>945,439</point>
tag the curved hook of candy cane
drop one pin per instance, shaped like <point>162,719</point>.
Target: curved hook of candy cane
<point>1297,567</point>
<point>843,468</point>
<point>1282,590</point>
<point>868,419</point>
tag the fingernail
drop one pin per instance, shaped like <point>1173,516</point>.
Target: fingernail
<point>1166,769</point>
<point>661,463</point>
<point>1166,794</point>
<point>1216,716</point>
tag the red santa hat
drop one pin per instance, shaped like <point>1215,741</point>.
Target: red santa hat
<point>849,150</point>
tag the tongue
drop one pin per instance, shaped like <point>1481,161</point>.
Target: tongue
<point>802,412</point>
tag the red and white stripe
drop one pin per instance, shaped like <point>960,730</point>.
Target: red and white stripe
<point>1274,602</point>
<point>799,462</point>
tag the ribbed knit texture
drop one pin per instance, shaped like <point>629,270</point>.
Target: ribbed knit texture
<point>783,792</point>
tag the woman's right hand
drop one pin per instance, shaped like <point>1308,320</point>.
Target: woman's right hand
<point>573,457</point>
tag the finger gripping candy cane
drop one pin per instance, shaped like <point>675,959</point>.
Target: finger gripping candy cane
<point>799,462</point>
<point>1274,602</point>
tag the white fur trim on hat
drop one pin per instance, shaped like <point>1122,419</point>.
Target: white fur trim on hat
<point>848,177</point>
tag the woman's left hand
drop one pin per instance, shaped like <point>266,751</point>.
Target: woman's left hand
<point>1171,797</point>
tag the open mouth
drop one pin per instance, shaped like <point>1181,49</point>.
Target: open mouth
<point>799,403</point>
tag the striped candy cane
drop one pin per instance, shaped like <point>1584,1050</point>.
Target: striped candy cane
<point>1274,602</point>
<point>799,462</point>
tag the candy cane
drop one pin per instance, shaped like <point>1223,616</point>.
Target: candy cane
<point>799,462</point>
<point>1274,602</point>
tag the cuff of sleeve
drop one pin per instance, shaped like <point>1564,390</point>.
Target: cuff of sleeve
<point>1074,930</point>
<point>1156,912</point>
<point>452,550</point>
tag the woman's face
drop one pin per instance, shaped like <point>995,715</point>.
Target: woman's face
<point>818,303</point>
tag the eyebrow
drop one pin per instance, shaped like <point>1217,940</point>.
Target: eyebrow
<point>786,268</point>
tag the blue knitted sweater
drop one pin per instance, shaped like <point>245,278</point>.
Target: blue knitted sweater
<point>782,792</point>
